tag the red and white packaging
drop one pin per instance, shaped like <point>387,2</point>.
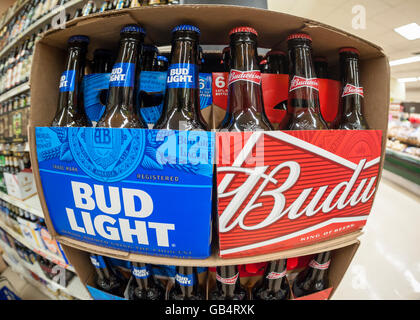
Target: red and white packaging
<point>280,190</point>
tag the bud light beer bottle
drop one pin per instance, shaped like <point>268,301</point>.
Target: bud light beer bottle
<point>71,112</point>
<point>351,101</point>
<point>145,286</point>
<point>181,107</point>
<point>148,57</point>
<point>315,277</point>
<point>120,111</point>
<point>303,103</point>
<point>245,109</point>
<point>274,285</point>
<point>321,67</point>
<point>186,285</point>
<point>106,278</point>
<point>276,62</point>
<point>228,285</point>
<point>102,61</point>
<point>161,64</point>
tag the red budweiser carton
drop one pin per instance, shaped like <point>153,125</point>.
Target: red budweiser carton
<point>279,190</point>
<point>275,94</point>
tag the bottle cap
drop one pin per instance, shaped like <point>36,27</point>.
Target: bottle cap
<point>132,28</point>
<point>186,27</point>
<point>349,49</point>
<point>162,58</point>
<point>79,38</point>
<point>275,52</point>
<point>263,61</point>
<point>243,29</point>
<point>299,35</point>
<point>225,49</point>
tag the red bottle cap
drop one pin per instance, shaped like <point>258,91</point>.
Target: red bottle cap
<point>349,49</point>
<point>243,29</point>
<point>263,61</point>
<point>299,35</point>
<point>273,52</point>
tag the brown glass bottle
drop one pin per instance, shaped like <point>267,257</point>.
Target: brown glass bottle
<point>145,286</point>
<point>71,112</point>
<point>120,112</point>
<point>245,108</point>
<point>351,99</point>
<point>228,285</point>
<point>186,285</point>
<point>106,278</point>
<point>226,59</point>
<point>303,102</point>
<point>181,107</point>
<point>321,67</point>
<point>274,285</point>
<point>276,62</point>
<point>315,277</point>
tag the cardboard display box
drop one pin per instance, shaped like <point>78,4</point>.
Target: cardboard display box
<point>340,261</point>
<point>214,23</point>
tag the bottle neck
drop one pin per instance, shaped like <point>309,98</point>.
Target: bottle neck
<point>318,267</point>
<point>121,87</point>
<point>71,79</point>
<point>350,71</point>
<point>142,274</point>
<point>186,281</point>
<point>301,62</point>
<point>227,280</point>
<point>276,64</point>
<point>352,93</point>
<point>102,270</point>
<point>244,93</point>
<point>275,275</point>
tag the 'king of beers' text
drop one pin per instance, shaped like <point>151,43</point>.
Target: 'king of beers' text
<point>135,204</point>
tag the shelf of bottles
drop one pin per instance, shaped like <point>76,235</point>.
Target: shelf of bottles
<point>34,266</point>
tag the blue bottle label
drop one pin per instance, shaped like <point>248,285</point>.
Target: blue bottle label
<point>122,75</point>
<point>98,261</point>
<point>182,75</point>
<point>185,280</point>
<point>140,272</point>
<point>67,81</point>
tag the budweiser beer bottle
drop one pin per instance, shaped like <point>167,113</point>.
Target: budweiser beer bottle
<point>321,67</point>
<point>120,112</point>
<point>245,108</point>
<point>228,285</point>
<point>274,285</point>
<point>145,287</point>
<point>181,107</point>
<point>186,285</point>
<point>303,103</point>
<point>276,62</point>
<point>315,277</point>
<point>106,279</point>
<point>71,112</point>
<point>351,102</point>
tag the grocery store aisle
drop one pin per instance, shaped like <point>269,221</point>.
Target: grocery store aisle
<point>387,264</point>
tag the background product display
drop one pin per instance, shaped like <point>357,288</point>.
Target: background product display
<point>267,143</point>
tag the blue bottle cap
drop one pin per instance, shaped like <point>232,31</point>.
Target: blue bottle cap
<point>78,38</point>
<point>162,58</point>
<point>133,28</point>
<point>186,27</point>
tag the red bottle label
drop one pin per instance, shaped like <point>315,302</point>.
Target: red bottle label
<point>319,266</point>
<point>230,281</point>
<point>276,275</point>
<point>299,82</point>
<point>253,76</point>
<point>350,89</point>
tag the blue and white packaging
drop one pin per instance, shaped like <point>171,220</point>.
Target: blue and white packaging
<point>135,190</point>
<point>205,83</point>
<point>94,86</point>
<point>151,89</point>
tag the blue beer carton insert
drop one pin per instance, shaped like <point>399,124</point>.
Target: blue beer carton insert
<point>136,190</point>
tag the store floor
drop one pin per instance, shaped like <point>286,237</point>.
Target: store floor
<point>387,264</point>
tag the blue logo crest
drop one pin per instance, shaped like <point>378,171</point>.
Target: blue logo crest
<point>107,155</point>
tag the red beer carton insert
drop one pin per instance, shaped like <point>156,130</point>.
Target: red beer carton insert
<point>283,189</point>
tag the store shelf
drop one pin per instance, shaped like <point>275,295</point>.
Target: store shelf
<point>404,156</point>
<point>31,204</point>
<point>15,91</point>
<point>215,260</point>
<point>42,252</point>
<point>10,17</point>
<point>36,25</point>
